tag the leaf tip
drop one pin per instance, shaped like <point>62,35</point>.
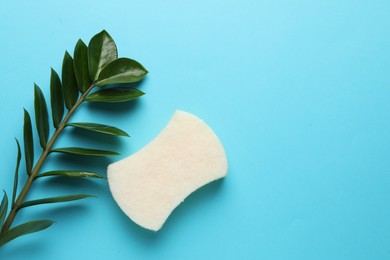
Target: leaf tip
<point>80,43</point>
<point>67,55</point>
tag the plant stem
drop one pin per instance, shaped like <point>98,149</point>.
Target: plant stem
<point>41,160</point>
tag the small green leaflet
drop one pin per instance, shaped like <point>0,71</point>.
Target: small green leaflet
<point>69,85</point>
<point>24,229</point>
<point>105,129</point>
<point>41,116</point>
<point>117,94</point>
<point>16,177</point>
<point>84,151</point>
<point>3,209</point>
<point>101,51</point>
<point>65,198</point>
<point>80,60</point>
<point>73,174</point>
<point>56,99</point>
<point>28,142</point>
<point>122,70</point>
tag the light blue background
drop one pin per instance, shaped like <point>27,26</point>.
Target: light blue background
<point>298,92</point>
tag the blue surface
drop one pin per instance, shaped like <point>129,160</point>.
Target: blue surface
<point>298,92</point>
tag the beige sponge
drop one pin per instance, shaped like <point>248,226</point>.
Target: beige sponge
<point>151,183</point>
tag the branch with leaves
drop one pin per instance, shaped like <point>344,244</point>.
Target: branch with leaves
<point>88,76</point>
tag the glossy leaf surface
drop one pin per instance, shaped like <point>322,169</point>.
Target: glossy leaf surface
<point>56,99</point>
<point>65,198</point>
<point>101,51</point>
<point>28,142</point>
<point>100,128</point>
<point>41,116</point>
<point>122,70</point>
<point>73,174</point>
<point>80,60</point>
<point>69,85</point>
<point>16,176</point>
<point>84,151</point>
<point>112,95</point>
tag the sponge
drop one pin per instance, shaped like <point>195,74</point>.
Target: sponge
<point>151,183</point>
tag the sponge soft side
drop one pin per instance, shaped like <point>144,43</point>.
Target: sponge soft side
<point>151,183</point>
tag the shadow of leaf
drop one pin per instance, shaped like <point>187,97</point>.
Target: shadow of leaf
<point>22,245</point>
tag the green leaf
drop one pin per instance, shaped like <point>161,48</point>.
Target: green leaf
<point>3,209</point>
<point>73,174</point>
<point>81,66</point>
<point>101,51</point>
<point>56,99</point>
<point>28,142</point>
<point>122,70</point>
<point>111,95</point>
<point>24,229</point>
<point>65,198</point>
<point>41,116</point>
<point>105,129</point>
<point>83,151</point>
<point>16,177</point>
<point>69,84</point>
